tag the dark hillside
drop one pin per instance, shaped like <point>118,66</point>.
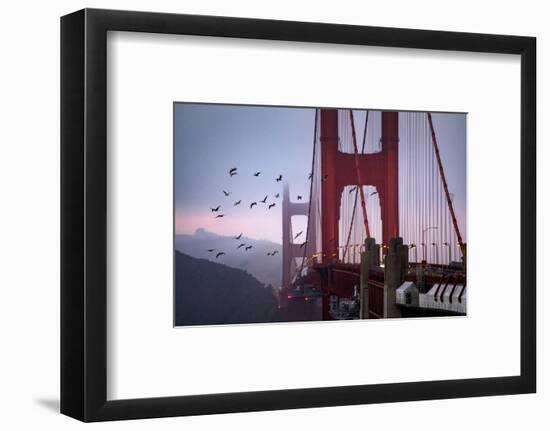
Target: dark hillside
<point>209,293</point>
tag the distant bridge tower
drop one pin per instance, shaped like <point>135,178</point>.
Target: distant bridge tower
<point>292,251</point>
<point>338,170</point>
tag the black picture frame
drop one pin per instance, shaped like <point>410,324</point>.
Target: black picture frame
<point>84,214</point>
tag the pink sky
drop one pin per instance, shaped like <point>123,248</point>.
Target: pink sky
<point>266,227</point>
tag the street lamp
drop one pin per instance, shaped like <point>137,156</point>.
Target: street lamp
<point>446,244</point>
<point>423,243</point>
<point>436,253</point>
<point>415,248</point>
<point>423,251</point>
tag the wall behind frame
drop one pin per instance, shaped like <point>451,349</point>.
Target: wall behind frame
<point>29,222</point>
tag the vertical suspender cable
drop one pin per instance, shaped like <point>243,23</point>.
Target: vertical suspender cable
<point>358,173</point>
<point>444,181</point>
<point>310,189</point>
<point>359,186</point>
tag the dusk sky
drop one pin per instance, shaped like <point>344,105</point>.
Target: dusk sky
<point>211,139</point>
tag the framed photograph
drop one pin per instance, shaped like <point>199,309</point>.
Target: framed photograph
<point>262,215</point>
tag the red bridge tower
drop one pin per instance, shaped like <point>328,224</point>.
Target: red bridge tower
<point>338,170</point>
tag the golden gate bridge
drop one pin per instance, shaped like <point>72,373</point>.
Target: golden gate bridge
<point>382,237</point>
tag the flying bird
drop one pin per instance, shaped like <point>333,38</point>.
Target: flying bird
<point>273,253</point>
<point>239,236</point>
<point>279,178</point>
<point>248,247</point>
<point>277,196</point>
<point>215,209</point>
<point>219,216</point>
<point>241,245</point>
<point>232,171</point>
<point>237,203</point>
<point>253,203</point>
<point>271,206</point>
<point>210,250</point>
<point>299,197</point>
<point>256,174</point>
<point>263,200</point>
<point>226,193</point>
<point>298,234</point>
<point>221,253</point>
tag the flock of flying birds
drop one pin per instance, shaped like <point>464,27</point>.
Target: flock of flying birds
<point>242,245</point>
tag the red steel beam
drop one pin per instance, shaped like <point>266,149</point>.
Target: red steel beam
<point>390,196</point>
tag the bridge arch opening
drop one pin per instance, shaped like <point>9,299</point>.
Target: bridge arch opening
<point>298,228</point>
<point>352,233</point>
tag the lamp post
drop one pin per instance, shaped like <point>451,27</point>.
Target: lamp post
<point>446,244</point>
<point>436,253</point>
<point>423,242</point>
<point>415,248</point>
